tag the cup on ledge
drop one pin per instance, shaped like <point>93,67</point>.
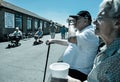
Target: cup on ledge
<point>59,70</point>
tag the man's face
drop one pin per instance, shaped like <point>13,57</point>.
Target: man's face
<point>17,29</point>
<point>81,22</point>
<point>71,21</point>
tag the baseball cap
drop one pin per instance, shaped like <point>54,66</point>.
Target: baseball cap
<point>83,13</point>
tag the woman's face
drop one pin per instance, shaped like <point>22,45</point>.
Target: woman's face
<point>103,24</point>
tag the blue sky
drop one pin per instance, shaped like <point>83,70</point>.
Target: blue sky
<point>58,10</point>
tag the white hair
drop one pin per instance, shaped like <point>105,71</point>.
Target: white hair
<point>113,6</point>
<point>17,28</point>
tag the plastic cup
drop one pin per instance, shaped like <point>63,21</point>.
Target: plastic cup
<point>59,70</point>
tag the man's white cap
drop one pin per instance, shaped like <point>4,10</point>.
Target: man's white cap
<point>17,28</point>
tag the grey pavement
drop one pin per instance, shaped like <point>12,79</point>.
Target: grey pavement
<point>26,63</point>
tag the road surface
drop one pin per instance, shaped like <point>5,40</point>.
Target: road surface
<point>26,63</point>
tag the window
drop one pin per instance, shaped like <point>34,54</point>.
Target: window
<point>45,24</point>
<point>29,23</point>
<point>36,24</point>
<point>41,23</point>
<point>9,20</point>
<point>18,21</point>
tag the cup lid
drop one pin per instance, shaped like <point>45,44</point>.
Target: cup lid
<point>59,66</point>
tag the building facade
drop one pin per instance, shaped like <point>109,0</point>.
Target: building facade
<point>13,16</point>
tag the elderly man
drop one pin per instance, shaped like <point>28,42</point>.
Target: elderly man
<point>85,45</point>
<point>17,35</point>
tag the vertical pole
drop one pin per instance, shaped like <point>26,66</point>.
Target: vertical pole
<point>46,63</point>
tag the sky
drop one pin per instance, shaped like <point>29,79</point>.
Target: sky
<point>58,10</point>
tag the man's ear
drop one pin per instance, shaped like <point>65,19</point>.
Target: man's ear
<point>86,21</point>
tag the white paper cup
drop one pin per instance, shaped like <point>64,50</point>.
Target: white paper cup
<point>59,70</point>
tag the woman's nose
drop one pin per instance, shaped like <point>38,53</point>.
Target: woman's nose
<point>94,21</point>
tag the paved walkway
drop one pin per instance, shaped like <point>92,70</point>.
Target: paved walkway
<point>26,63</point>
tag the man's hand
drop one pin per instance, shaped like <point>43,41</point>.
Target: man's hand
<point>50,41</point>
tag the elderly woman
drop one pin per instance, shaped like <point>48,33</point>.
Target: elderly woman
<point>107,26</point>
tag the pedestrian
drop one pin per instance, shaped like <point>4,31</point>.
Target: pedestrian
<point>87,45</point>
<point>63,31</point>
<point>52,30</point>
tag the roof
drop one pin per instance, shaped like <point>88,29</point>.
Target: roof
<point>19,9</point>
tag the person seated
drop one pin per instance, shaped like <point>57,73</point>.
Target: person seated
<point>38,35</point>
<point>17,35</point>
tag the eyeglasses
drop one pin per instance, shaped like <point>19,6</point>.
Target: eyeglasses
<point>101,18</point>
<point>71,21</point>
